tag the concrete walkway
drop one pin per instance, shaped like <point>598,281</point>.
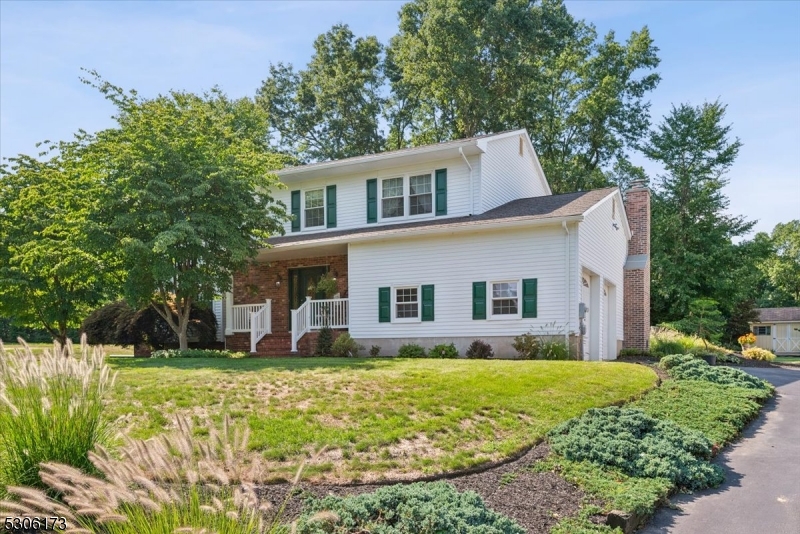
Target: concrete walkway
<point>761,492</point>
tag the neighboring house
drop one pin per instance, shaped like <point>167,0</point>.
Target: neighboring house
<point>778,330</point>
<point>448,243</point>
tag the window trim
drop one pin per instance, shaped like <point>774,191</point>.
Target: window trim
<point>490,315</point>
<point>394,317</point>
<point>303,193</point>
<point>406,177</point>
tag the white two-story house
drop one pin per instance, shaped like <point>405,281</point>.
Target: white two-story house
<point>447,243</point>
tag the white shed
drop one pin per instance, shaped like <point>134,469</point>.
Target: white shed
<point>778,330</point>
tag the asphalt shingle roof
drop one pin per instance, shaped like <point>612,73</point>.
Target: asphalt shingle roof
<point>534,208</point>
<point>769,315</point>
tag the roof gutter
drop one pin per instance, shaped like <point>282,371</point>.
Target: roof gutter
<point>467,227</point>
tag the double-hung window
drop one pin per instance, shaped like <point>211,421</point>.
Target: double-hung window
<point>315,208</point>
<point>505,299</point>
<point>406,303</point>
<point>392,198</point>
<point>420,194</point>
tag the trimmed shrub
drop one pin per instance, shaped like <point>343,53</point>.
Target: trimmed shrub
<point>527,346</point>
<point>757,353</point>
<point>424,507</point>
<point>687,367</point>
<point>375,351</point>
<point>345,347</point>
<point>324,341</point>
<point>196,353</point>
<point>443,350</point>
<point>51,410</point>
<point>479,350</point>
<point>635,353</point>
<point>639,445</point>
<point>411,350</point>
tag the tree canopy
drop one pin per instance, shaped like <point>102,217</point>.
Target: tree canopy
<point>691,238</point>
<point>50,274</point>
<point>189,200</point>
<point>331,109</point>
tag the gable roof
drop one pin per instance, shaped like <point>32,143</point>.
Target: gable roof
<point>542,209</point>
<point>778,315</point>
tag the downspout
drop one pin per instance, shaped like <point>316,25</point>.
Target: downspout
<point>471,188</point>
<point>566,279</point>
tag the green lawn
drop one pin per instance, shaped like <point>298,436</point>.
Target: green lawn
<point>378,417</point>
<point>788,359</point>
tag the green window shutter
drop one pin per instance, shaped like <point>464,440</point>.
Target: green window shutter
<point>295,211</point>
<point>372,200</point>
<point>478,300</point>
<point>427,303</point>
<point>529,298</point>
<point>330,200</point>
<point>441,192</point>
<point>384,304</point>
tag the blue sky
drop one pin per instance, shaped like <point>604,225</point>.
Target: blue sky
<point>747,54</point>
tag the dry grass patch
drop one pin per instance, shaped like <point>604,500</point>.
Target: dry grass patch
<point>378,417</point>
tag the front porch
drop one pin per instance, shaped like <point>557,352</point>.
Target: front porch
<point>273,309</point>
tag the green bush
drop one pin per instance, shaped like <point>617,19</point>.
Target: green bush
<point>527,346</point>
<point>479,350</point>
<point>411,350</point>
<point>324,341</point>
<point>51,410</point>
<point>345,347</point>
<point>197,353</point>
<point>554,349</point>
<point>422,507</point>
<point>719,412</point>
<point>757,353</point>
<point>375,351</point>
<point>635,353</point>
<point>687,367</point>
<point>639,445</point>
<point>443,350</point>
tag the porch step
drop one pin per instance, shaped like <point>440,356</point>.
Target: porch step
<point>278,344</point>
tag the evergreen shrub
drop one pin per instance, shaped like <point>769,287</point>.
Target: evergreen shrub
<point>411,350</point>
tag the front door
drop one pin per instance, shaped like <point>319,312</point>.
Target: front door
<point>300,280</point>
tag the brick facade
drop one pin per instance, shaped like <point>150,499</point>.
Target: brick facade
<point>261,282</point>
<point>636,301</point>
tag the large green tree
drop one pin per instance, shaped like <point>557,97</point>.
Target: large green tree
<point>458,68</point>
<point>331,109</point>
<point>50,274</point>
<point>782,267</point>
<point>693,255</point>
<point>189,200</point>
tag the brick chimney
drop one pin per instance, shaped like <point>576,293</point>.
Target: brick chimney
<point>636,299</point>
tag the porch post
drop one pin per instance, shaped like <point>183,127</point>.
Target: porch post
<point>227,317</point>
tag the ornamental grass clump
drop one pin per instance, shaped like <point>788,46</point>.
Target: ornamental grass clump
<point>639,445</point>
<point>51,409</point>
<point>756,353</point>
<point>687,367</point>
<point>421,507</point>
<point>168,484</point>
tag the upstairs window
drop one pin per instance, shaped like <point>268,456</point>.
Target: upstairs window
<point>392,200</point>
<point>420,195</point>
<point>315,208</point>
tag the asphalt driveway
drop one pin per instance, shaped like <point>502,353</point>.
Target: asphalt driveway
<point>761,492</point>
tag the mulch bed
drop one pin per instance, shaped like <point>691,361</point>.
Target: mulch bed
<point>536,501</point>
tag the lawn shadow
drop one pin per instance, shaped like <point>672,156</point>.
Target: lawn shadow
<point>664,520</point>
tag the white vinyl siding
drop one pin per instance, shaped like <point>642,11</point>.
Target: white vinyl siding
<point>506,175</point>
<point>351,192</point>
<point>603,250</point>
<point>452,263</point>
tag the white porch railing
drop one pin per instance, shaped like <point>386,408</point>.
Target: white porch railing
<point>260,324</point>
<point>240,316</point>
<point>314,314</point>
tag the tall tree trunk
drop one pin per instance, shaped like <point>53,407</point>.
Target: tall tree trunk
<point>62,333</point>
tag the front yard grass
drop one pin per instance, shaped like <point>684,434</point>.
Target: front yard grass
<point>378,418</point>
